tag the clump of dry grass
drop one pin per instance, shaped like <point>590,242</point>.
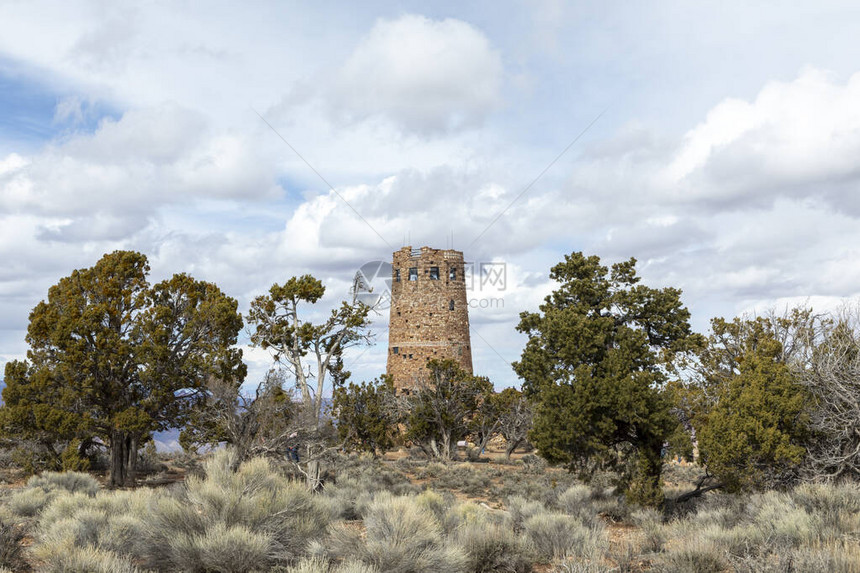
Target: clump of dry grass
<point>556,535</point>
<point>233,521</point>
<point>810,528</point>
<point>401,536</point>
<point>76,531</point>
<point>11,535</point>
<point>42,489</point>
<point>256,518</point>
<point>695,555</point>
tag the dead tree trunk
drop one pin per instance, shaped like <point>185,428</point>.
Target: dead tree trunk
<point>701,489</point>
<point>510,447</point>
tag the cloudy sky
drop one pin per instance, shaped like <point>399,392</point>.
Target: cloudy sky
<point>725,155</point>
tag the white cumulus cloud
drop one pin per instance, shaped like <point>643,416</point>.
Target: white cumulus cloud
<point>424,75</point>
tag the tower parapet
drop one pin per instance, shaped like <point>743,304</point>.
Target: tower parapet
<point>429,313</point>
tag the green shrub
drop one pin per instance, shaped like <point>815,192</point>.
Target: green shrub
<point>740,541</point>
<point>544,487</point>
<point>33,460</point>
<point>82,528</point>
<point>723,517</point>
<point>407,464</point>
<point>432,470</point>
<point>588,504</point>
<point>830,558</point>
<point>611,506</point>
<point>442,506</point>
<point>683,475</point>
<point>72,460</point>
<point>114,503</point>
<point>462,477</point>
<point>462,514</point>
<point>348,500</point>
<point>812,528</point>
<point>626,556</point>
<point>600,480</point>
<point>318,565</point>
<point>841,498</point>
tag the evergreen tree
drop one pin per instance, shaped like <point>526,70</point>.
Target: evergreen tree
<point>443,406</point>
<point>115,359</point>
<point>367,415</point>
<point>595,364</point>
<point>752,411</point>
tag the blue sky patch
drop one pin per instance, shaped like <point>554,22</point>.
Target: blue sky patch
<point>28,108</point>
<point>35,112</point>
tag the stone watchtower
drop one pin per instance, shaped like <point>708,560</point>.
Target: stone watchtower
<point>429,313</point>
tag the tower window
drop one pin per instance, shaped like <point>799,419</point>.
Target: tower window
<point>397,275</point>
<point>395,350</point>
<point>452,273</point>
<point>434,273</point>
<point>451,304</point>
<point>413,273</point>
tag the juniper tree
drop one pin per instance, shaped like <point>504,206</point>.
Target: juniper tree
<point>443,405</point>
<point>115,359</point>
<point>367,415</point>
<point>751,411</point>
<point>595,366</point>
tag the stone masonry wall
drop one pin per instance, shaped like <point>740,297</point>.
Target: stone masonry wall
<point>429,313</point>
